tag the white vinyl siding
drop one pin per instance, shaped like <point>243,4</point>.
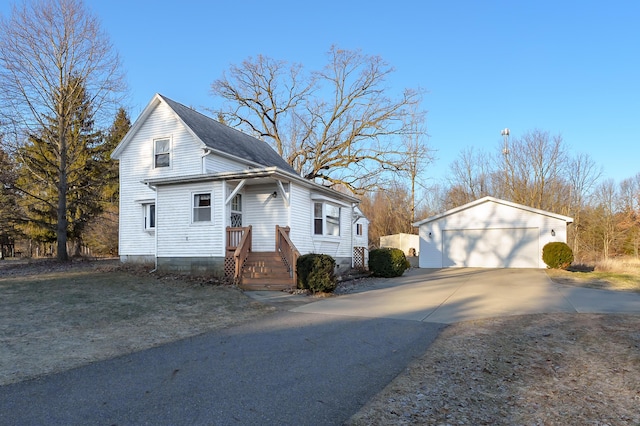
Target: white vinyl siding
<point>301,219</point>
<point>361,240</point>
<point>263,212</point>
<point>178,236</point>
<point>137,164</point>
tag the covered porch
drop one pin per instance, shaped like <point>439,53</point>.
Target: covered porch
<point>259,253</point>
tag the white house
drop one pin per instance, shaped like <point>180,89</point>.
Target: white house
<point>489,233</point>
<point>200,197</point>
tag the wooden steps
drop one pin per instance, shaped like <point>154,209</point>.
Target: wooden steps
<point>265,271</point>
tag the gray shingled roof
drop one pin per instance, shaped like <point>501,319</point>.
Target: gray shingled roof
<point>228,140</point>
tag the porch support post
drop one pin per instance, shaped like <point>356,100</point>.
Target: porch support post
<point>235,191</point>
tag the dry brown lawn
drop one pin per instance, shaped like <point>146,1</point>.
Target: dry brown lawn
<point>553,369</point>
<point>58,316</point>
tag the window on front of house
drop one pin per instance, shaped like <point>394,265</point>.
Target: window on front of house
<point>149,217</point>
<point>358,229</point>
<point>202,207</point>
<point>326,219</point>
<point>162,152</point>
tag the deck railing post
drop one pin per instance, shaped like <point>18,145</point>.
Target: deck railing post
<point>237,249</point>
<point>287,250</point>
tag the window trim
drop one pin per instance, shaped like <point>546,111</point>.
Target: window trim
<point>194,207</point>
<point>168,153</point>
<point>149,210</point>
<point>323,220</point>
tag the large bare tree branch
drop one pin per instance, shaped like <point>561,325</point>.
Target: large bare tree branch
<point>338,125</point>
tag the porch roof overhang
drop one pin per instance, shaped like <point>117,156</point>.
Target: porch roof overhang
<point>270,172</point>
<point>273,173</point>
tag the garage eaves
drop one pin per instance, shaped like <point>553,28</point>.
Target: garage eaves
<point>488,199</point>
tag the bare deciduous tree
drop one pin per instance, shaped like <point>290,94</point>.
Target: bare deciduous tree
<point>337,125</point>
<point>48,49</point>
<point>629,215</point>
<point>417,156</point>
<point>387,212</point>
<point>470,178</point>
<point>605,199</point>
<point>535,167</point>
<point>583,173</point>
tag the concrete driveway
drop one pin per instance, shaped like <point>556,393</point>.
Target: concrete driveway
<point>459,294</point>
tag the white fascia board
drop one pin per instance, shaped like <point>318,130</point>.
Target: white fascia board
<point>495,200</point>
<point>155,101</point>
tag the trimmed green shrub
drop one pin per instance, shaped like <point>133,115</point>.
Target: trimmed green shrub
<point>557,255</point>
<point>388,262</point>
<point>316,272</point>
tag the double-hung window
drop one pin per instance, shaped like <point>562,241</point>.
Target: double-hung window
<point>162,152</point>
<point>149,216</point>
<point>202,207</point>
<point>326,219</point>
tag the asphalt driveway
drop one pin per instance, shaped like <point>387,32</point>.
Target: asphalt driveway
<point>459,294</point>
<point>286,369</point>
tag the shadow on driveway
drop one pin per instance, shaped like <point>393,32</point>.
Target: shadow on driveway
<point>460,294</point>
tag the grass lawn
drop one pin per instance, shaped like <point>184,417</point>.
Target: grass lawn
<point>54,317</point>
<point>620,275</point>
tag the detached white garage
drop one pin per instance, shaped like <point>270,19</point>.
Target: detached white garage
<point>489,233</point>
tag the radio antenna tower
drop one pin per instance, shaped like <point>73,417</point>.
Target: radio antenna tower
<point>505,135</point>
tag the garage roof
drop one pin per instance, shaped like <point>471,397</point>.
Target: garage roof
<point>493,200</point>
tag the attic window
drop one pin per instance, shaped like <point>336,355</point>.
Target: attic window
<point>162,152</point>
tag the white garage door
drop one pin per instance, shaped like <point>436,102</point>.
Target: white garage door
<point>491,248</point>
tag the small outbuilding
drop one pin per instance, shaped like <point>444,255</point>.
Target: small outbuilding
<point>408,243</point>
<point>489,233</point>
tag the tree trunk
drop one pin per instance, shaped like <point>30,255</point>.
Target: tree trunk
<point>61,231</point>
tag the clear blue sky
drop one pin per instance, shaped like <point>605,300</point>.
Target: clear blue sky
<point>567,67</point>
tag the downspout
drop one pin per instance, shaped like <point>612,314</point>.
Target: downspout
<point>205,152</point>
<point>155,237</point>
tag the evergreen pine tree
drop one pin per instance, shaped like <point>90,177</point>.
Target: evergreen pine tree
<point>39,171</point>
